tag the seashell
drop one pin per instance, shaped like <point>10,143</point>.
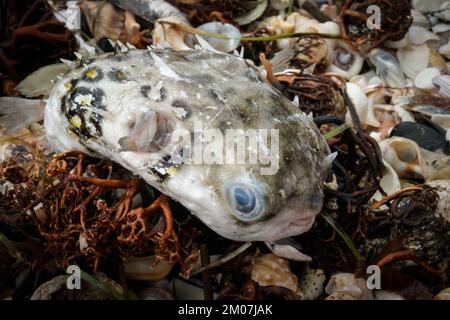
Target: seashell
<point>107,20</point>
<point>387,295</point>
<point>225,29</point>
<point>362,80</point>
<point>405,157</point>
<point>167,36</point>
<point>312,283</point>
<point>413,59</point>
<point>340,296</point>
<point>424,80</point>
<point>346,283</point>
<point>437,60</point>
<point>425,136</point>
<point>443,14</point>
<point>140,268</point>
<point>443,82</point>
<point>397,44</point>
<point>271,270</point>
<point>440,28</point>
<point>429,6</point>
<point>389,182</point>
<point>443,295</point>
<point>419,19</point>
<point>443,190</point>
<point>310,51</point>
<point>445,50</point>
<point>361,105</point>
<point>279,5</point>
<point>388,68</point>
<point>343,61</point>
<point>419,35</point>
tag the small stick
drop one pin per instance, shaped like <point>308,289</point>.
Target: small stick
<point>206,276</point>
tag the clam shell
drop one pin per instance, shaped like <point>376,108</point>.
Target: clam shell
<point>390,182</point>
<point>343,61</point>
<point>413,59</point>
<point>419,35</point>
<point>424,80</point>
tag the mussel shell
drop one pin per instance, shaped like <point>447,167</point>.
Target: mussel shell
<point>426,137</point>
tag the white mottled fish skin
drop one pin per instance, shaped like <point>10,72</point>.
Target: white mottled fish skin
<point>125,106</point>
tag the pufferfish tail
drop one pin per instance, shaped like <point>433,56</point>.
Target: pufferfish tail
<point>17,113</point>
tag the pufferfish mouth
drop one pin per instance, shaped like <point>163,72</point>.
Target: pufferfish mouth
<point>245,201</point>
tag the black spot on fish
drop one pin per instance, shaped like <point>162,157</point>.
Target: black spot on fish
<point>87,97</point>
<point>94,74</point>
<point>162,93</point>
<point>117,76</point>
<point>183,105</point>
<point>145,90</point>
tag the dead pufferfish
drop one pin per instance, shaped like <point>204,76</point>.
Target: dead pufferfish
<point>126,107</point>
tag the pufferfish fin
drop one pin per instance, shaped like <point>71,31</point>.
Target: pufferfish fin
<point>17,113</point>
<point>280,61</point>
<point>205,44</point>
<point>40,82</point>
<point>287,248</point>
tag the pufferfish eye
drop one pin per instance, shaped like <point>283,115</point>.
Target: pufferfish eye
<point>246,201</point>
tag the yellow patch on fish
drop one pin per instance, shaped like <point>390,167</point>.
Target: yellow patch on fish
<point>92,73</point>
<point>75,121</point>
<point>171,171</point>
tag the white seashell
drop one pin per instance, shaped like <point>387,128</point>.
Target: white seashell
<point>443,190</point>
<point>440,28</point>
<point>419,19</point>
<point>269,269</point>
<point>444,15</point>
<point>405,157</point>
<point>387,68</point>
<point>397,44</point>
<point>390,182</point>
<point>443,295</point>
<point>429,6</point>
<point>312,283</point>
<point>140,268</point>
<point>361,105</point>
<point>362,80</point>
<point>348,284</point>
<point>413,59</point>
<point>445,50</point>
<point>443,82</point>
<point>424,80</point>
<point>419,35</point>
<point>343,61</point>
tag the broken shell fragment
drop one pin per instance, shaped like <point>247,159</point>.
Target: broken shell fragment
<point>271,270</point>
<point>413,59</point>
<point>388,68</point>
<point>348,285</point>
<point>424,80</point>
<point>140,268</point>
